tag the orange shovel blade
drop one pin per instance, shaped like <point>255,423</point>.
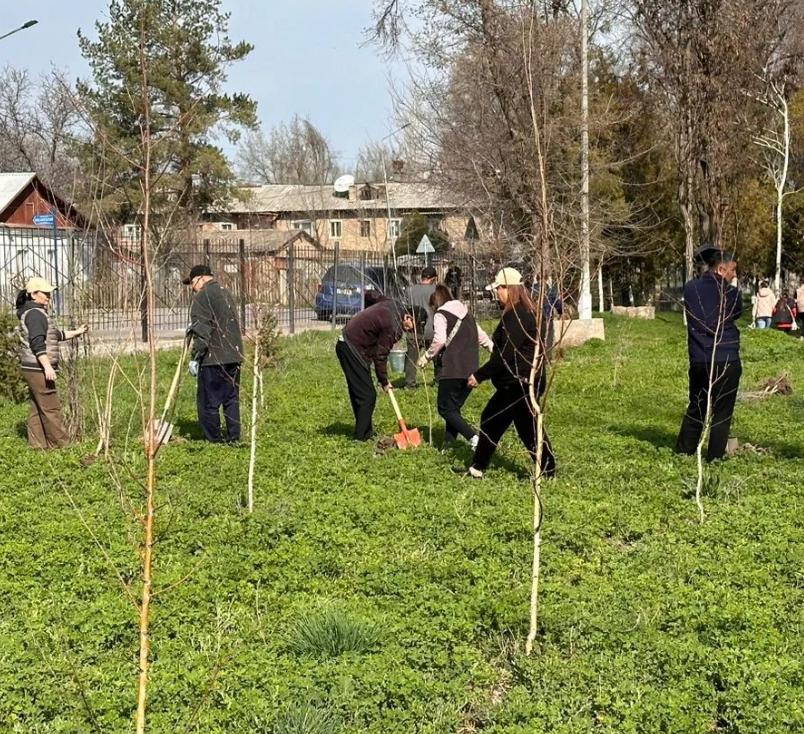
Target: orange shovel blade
<point>407,438</point>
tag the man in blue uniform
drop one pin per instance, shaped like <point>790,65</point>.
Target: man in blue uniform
<point>712,306</point>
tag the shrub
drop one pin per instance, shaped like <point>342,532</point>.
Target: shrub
<point>269,337</point>
<point>332,633</point>
<point>12,386</point>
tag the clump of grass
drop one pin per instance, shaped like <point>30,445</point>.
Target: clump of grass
<point>306,718</point>
<point>332,632</point>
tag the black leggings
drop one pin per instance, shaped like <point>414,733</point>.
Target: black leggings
<point>511,405</point>
<point>452,394</point>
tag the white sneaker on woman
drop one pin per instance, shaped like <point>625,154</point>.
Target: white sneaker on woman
<point>475,440</point>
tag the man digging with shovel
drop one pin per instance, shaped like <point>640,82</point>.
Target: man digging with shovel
<point>369,337</point>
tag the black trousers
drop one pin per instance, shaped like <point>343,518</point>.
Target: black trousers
<point>219,386</point>
<point>725,381</point>
<point>362,393</point>
<point>452,394</point>
<point>511,405</point>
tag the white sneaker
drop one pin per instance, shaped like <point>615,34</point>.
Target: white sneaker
<point>475,473</point>
<point>473,443</point>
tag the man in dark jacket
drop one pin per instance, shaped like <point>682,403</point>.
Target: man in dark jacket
<point>422,336</point>
<point>712,306</point>
<point>366,339</point>
<point>217,354</point>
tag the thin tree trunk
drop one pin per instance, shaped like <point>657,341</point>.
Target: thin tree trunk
<point>536,483</point>
<point>105,415</point>
<point>254,396</point>
<point>150,438</point>
<point>585,298</point>
<point>600,299</point>
<point>780,186</point>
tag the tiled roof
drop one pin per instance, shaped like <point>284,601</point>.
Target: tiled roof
<point>277,198</point>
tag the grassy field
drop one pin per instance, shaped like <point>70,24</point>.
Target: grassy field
<point>381,593</point>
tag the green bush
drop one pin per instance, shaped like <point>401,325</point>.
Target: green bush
<point>332,632</point>
<point>12,386</point>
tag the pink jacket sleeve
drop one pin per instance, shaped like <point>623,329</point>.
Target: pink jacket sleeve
<point>484,340</point>
<point>439,335</point>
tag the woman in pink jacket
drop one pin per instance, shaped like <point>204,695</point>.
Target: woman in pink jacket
<point>455,347</point>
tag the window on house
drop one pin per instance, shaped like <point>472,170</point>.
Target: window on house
<point>366,194</point>
<point>131,231</point>
<point>335,228</point>
<point>304,224</point>
<point>396,228</point>
<point>433,222</point>
<point>365,228</point>
<point>227,227</point>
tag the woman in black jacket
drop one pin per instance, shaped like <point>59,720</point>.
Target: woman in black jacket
<point>509,369</point>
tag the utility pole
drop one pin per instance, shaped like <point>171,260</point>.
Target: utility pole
<point>585,298</point>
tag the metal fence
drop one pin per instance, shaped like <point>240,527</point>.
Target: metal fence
<point>101,280</point>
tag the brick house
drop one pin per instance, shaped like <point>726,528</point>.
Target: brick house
<point>357,219</point>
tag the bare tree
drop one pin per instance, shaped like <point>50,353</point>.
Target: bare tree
<point>375,161</point>
<point>775,142</point>
<point>701,57</point>
<point>292,153</point>
<point>39,121</point>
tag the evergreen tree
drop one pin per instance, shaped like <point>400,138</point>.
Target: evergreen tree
<point>187,55</point>
<point>414,227</point>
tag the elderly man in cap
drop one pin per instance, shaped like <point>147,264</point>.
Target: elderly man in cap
<point>422,336</point>
<point>217,354</point>
<point>712,305</point>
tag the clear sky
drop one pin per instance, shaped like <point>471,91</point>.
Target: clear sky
<point>308,59</point>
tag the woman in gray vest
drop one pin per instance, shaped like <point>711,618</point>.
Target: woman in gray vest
<point>456,336</point>
<point>39,360</point>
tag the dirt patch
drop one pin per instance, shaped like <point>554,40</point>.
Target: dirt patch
<point>779,385</point>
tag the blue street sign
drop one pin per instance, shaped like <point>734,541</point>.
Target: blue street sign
<point>44,220</point>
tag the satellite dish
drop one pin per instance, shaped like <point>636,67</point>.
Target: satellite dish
<point>343,183</point>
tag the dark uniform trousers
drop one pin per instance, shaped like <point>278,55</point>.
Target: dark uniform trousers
<point>725,381</point>
<point>219,387</point>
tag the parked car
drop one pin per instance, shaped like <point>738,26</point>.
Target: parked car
<point>342,287</point>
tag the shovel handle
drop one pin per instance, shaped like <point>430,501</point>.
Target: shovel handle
<point>396,405</point>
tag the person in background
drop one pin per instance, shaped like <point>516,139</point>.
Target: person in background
<point>515,339</point>
<point>800,307</point>
<point>39,362</point>
<point>784,314</point>
<point>764,303</point>
<point>217,355</point>
<point>713,306</point>
<point>366,339</point>
<point>456,336</point>
<point>421,336</point>
<point>453,279</point>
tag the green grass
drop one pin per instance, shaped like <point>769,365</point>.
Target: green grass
<point>650,621</point>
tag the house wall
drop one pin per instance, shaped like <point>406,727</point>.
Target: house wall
<point>29,203</point>
<point>352,237</point>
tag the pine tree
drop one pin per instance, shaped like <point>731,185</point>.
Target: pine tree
<point>189,53</point>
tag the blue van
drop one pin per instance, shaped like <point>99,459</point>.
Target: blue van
<point>340,288</point>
